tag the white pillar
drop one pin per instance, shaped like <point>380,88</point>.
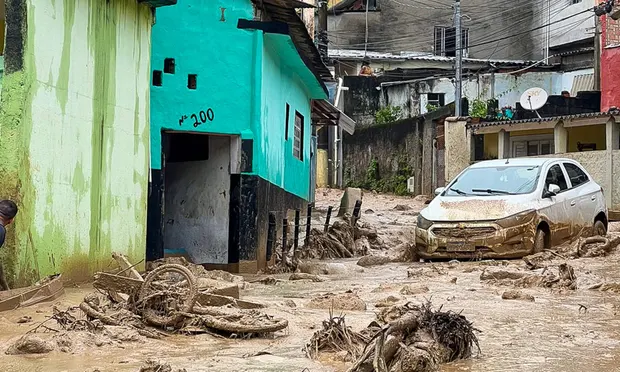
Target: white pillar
<point>613,135</point>
<point>503,145</point>
<point>560,138</point>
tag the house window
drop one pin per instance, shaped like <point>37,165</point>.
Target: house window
<point>435,99</point>
<point>445,41</point>
<point>533,146</point>
<point>573,2</point>
<point>298,138</point>
<point>286,120</point>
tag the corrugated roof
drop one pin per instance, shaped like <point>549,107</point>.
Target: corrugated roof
<point>484,124</point>
<point>284,11</point>
<point>352,54</point>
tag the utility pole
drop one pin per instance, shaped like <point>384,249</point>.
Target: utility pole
<point>459,58</point>
<point>322,30</point>
<point>597,53</point>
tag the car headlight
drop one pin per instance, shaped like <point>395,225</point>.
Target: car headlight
<point>517,219</point>
<point>423,223</point>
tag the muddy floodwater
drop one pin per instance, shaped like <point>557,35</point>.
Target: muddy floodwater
<point>561,330</point>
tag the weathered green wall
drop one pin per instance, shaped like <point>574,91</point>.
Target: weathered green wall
<point>75,137</point>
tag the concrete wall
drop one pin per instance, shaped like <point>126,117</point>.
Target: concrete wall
<point>197,205</point>
<point>577,28</point>
<point>458,147</point>
<point>74,148</point>
<point>397,149</point>
<point>406,26</point>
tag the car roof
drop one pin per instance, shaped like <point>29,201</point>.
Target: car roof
<point>528,161</point>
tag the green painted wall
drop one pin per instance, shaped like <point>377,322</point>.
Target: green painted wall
<point>75,133</point>
<point>245,76</point>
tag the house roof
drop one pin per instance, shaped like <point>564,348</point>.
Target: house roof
<point>352,54</point>
<point>284,11</point>
<point>586,115</point>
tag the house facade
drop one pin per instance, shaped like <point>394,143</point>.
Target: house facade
<point>74,114</point>
<point>236,88</point>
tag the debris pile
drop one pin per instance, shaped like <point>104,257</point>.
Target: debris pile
<point>341,301</point>
<point>565,277</point>
<point>335,337</point>
<point>596,246</point>
<point>132,308</point>
<point>157,366</point>
<point>418,339</point>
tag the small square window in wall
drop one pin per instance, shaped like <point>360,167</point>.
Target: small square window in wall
<point>169,66</point>
<point>157,78</point>
<point>298,137</point>
<point>192,81</point>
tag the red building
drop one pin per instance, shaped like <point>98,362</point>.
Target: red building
<point>610,62</point>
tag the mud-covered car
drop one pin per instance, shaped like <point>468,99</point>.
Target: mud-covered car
<point>510,208</point>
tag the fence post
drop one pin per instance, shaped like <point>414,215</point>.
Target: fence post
<point>284,238</point>
<point>356,212</point>
<point>296,236</point>
<point>271,235</point>
<point>308,223</point>
<point>329,215</point>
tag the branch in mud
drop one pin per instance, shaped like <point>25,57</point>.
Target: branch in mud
<point>419,339</point>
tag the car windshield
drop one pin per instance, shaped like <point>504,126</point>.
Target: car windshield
<point>504,180</point>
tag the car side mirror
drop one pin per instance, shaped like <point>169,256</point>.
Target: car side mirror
<point>552,190</point>
<point>439,190</point>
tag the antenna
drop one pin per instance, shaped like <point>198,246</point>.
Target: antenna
<point>533,99</point>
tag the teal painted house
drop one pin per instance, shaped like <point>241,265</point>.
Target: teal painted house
<point>237,89</point>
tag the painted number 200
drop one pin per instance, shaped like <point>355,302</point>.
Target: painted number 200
<point>202,117</point>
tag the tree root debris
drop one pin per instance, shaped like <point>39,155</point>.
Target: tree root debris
<point>418,340</point>
<point>565,278</point>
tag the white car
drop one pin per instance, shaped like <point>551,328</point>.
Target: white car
<point>510,208</point>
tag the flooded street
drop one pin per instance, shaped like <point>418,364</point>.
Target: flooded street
<point>560,330</point>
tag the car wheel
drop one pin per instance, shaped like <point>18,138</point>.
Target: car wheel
<point>539,241</point>
<point>599,228</point>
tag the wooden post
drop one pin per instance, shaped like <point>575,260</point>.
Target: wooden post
<point>284,238</point>
<point>329,215</point>
<point>271,235</point>
<point>308,223</point>
<point>296,236</point>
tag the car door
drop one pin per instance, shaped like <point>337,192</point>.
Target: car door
<point>585,196</point>
<point>557,206</point>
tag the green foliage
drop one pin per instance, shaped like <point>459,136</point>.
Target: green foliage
<point>395,184</point>
<point>478,108</point>
<point>388,114</point>
<point>430,107</point>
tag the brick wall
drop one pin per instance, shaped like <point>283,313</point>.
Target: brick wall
<point>611,32</point>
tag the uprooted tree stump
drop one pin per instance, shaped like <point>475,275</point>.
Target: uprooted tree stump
<point>418,340</point>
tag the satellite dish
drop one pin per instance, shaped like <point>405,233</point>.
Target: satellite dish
<point>533,99</point>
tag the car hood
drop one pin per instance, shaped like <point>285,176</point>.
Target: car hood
<point>474,208</point>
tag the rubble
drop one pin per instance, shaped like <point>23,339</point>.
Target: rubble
<point>412,290</point>
<point>30,344</point>
<point>565,277</point>
<point>388,301</point>
<point>517,295</point>
<point>157,366</point>
<point>304,276</point>
<point>368,261</point>
<point>342,301</point>
<point>419,339</point>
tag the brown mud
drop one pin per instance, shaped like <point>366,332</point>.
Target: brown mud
<point>563,330</point>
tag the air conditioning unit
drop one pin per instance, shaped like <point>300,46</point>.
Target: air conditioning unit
<point>411,185</point>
